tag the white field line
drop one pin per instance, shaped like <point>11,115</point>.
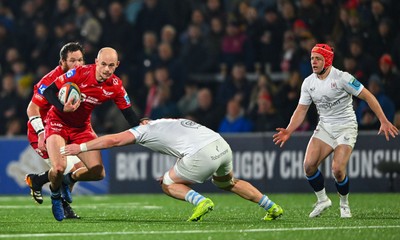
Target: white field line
<point>40,235</point>
<point>90,206</point>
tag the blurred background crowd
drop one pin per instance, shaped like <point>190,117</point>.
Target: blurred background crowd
<point>232,65</point>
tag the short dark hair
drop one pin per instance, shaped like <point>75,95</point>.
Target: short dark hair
<point>70,47</point>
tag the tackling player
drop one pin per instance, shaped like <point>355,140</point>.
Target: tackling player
<point>71,56</point>
<point>70,123</point>
<point>202,154</point>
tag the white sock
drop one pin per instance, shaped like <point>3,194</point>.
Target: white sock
<point>344,199</point>
<point>321,195</point>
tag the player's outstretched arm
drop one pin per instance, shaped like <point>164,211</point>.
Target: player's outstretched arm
<point>106,141</point>
<point>297,118</point>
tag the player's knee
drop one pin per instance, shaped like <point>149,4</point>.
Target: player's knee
<point>58,167</point>
<point>225,185</point>
<point>338,172</point>
<point>167,180</point>
<point>309,168</point>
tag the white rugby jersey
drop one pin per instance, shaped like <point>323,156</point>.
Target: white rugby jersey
<point>332,96</point>
<point>176,137</point>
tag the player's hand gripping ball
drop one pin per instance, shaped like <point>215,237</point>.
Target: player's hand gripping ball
<point>69,91</point>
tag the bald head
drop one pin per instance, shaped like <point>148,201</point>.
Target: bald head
<point>106,63</point>
<point>108,52</point>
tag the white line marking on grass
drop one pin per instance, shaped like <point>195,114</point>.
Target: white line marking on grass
<point>89,206</point>
<point>40,235</point>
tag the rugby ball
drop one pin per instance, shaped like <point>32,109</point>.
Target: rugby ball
<point>67,91</point>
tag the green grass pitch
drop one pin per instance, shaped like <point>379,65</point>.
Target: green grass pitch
<point>156,216</point>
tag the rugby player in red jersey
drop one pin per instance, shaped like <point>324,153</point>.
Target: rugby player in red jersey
<point>71,56</point>
<point>70,123</point>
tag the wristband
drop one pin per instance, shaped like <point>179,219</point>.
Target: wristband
<point>37,124</point>
<point>83,147</point>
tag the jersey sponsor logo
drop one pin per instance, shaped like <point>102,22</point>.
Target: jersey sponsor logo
<point>89,99</point>
<point>41,89</point>
<point>190,124</point>
<point>70,73</point>
<point>56,125</point>
<point>326,103</point>
<point>215,157</point>
<point>354,83</point>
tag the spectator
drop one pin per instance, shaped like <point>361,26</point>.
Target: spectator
<point>117,31</point>
<point>165,106</point>
<point>188,102</point>
<point>146,57</point>
<point>8,101</point>
<point>194,54</point>
<point>271,40</point>
<point>365,117</point>
<point>288,95</point>
<point>235,121</point>
<point>151,17</point>
<point>177,72</point>
<point>169,35</point>
<point>214,42</point>
<point>207,113</point>
<point>266,118</point>
<point>235,84</point>
<point>390,79</point>
<point>236,47</point>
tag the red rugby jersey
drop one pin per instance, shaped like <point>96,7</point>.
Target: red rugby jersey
<point>93,93</point>
<point>38,89</point>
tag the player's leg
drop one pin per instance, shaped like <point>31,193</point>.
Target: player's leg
<point>94,170</point>
<point>56,173</point>
<point>346,137</point>
<point>316,152</point>
<point>178,188</point>
<point>195,169</point>
<point>35,181</point>
<point>340,159</point>
<point>223,179</point>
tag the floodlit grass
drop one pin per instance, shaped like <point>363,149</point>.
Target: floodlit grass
<point>156,216</point>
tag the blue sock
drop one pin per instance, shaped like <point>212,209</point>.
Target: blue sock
<point>194,197</point>
<point>343,186</point>
<point>55,194</point>
<point>67,180</point>
<point>316,181</point>
<point>265,202</point>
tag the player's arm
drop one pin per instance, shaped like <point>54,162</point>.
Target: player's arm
<point>298,117</point>
<point>33,112</point>
<point>386,126</point>
<point>103,142</point>
<point>51,92</point>
<point>130,116</point>
<point>295,121</point>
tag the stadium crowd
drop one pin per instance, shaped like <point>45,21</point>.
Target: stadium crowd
<point>231,65</point>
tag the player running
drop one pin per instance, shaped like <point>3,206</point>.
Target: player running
<point>71,56</point>
<point>70,123</point>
